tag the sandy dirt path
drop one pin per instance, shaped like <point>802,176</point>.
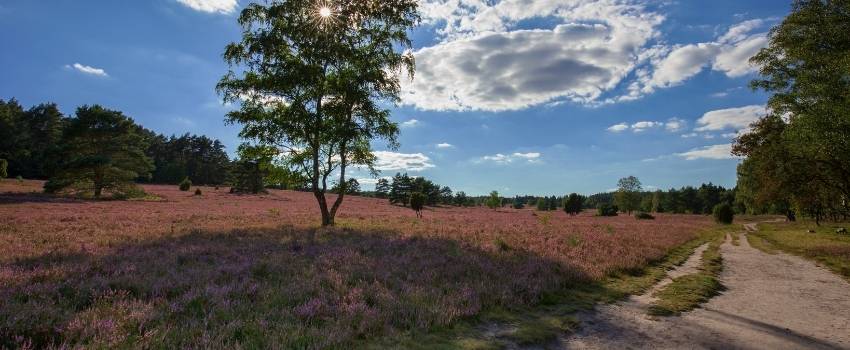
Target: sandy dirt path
<point>771,302</point>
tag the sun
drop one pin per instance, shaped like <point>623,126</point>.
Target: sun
<point>325,12</point>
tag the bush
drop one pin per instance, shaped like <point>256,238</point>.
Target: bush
<point>198,192</point>
<point>186,184</point>
<point>644,216</point>
<point>723,213</point>
<point>4,166</point>
<point>607,210</point>
<point>20,178</point>
<point>417,202</point>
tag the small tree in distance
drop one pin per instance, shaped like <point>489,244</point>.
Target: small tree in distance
<point>4,166</point>
<point>186,184</point>
<point>573,203</point>
<point>382,188</point>
<point>494,201</point>
<point>628,195</point>
<point>417,202</point>
<point>723,213</point>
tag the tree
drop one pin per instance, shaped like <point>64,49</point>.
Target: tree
<point>351,187</point>
<point>542,204</point>
<point>493,200</point>
<point>723,213</point>
<point>315,84</point>
<point>462,200</point>
<point>417,202</point>
<point>805,68</point>
<point>628,195</point>
<point>446,195</point>
<point>186,184</point>
<point>573,203</point>
<point>4,164</point>
<point>518,203</point>
<point>400,189</point>
<point>103,150</point>
<point>382,188</point>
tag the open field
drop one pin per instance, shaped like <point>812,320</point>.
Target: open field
<point>222,270</point>
<point>824,246</point>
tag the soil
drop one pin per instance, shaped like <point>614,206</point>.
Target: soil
<point>772,301</point>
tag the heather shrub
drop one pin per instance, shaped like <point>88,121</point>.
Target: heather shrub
<point>723,213</point>
<point>4,166</point>
<point>186,184</point>
<point>417,202</point>
<point>644,216</point>
<point>607,210</point>
<point>198,192</point>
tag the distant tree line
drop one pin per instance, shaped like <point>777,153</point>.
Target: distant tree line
<point>100,149</point>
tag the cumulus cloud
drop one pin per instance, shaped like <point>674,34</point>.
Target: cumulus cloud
<point>675,124</point>
<point>445,145</point>
<point>211,6</point>
<point>402,161</point>
<point>499,158</point>
<point>590,52</point>
<point>738,118</point>
<point>729,54</point>
<point>87,69</point>
<point>410,123</point>
<point>485,63</point>
<point>723,151</point>
<point>644,125</point>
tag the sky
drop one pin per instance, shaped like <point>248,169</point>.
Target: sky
<point>542,97</point>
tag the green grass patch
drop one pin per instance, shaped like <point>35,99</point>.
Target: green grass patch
<point>824,246</point>
<point>688,292</point>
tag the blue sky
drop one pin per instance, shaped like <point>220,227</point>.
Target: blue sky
<point>523,97</point>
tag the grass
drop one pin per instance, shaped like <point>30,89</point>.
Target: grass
<point>687,292</point>
<point>824,246</point>
<point>553,317</point>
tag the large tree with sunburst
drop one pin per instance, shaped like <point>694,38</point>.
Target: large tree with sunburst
<point>314,78</point>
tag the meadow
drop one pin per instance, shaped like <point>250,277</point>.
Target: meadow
<point>232,271</point>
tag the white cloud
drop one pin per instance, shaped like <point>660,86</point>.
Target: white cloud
<point>675,124</point>
<point>644,125</point>
<point>729,54</point>
<point>184,121</point>
<point>485,63</point>
<point>499,158</point>
<point>671,125</point>
<point>618,127</point>
<point>211,6</point>
<point>87,69</point>
<point>731,118</point>
<point>445,145</point>
<point>371,180</point>
<point>410,123</point>
<point>723,151</point>
<point>402,161</point>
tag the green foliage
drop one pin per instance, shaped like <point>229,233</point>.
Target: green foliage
<point>186,184</point>
<point>102,151</point>
<point>352,186</point>
<point>607,210</point>
<point>518,203</point>
<point>417,203</point>
<point>4,165</point>
<point>628,196</point>
<point>644,216</point>
<point>318,87</point>
<point>200,158</point>
<point>382,188</point>
<point>494,201</point>
<point>797,156</point>
<point>247,177</point>
<point>723,213</point>
<point>573,203</point>
<point>30,140</point>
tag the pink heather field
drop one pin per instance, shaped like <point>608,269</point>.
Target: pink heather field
<point>233,271</point>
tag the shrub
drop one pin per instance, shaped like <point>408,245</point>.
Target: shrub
<point>417,202</point>
<point>20,178</point>
<point>198,192</point>
<point>644,216</point>
<point>4,166</point>
<point>186,184</point>
<point>723,213</point>
<point>607,210</point>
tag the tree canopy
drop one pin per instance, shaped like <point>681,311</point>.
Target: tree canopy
<point>312,85</point>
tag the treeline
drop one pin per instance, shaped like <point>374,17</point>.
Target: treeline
<point>798,155</point>
<point>684,200</point>
<point>101,149</point>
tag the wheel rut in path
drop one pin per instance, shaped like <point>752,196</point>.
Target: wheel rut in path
<point>775,301</point>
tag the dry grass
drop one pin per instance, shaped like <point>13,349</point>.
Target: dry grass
<point>824,246</point>
<point>223,271</point>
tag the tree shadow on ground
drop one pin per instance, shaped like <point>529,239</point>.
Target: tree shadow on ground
<point>34,197</point>
<point>286,287</point>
